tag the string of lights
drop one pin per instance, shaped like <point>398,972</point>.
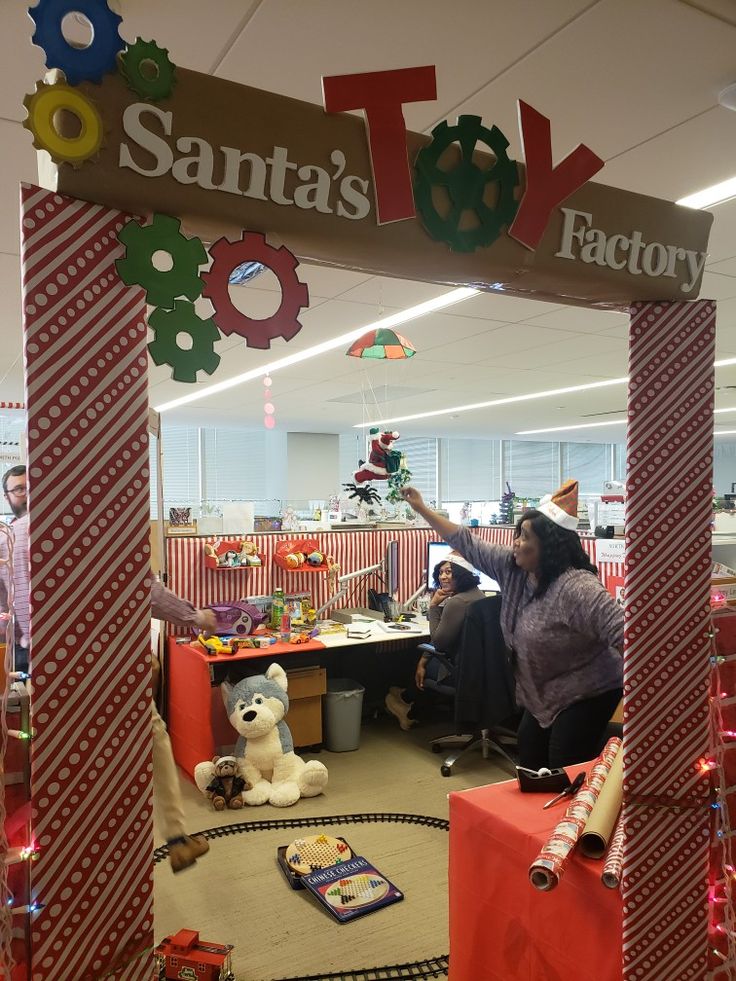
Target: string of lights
<point>722,922</point>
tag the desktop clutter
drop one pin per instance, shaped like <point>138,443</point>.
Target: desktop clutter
<point>266,763</point>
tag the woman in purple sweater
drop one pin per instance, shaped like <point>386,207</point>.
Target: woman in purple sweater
<point>563,629</point>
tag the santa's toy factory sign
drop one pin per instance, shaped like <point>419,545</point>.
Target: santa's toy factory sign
<point>366,193</point>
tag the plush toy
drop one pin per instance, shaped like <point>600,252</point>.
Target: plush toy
<point>316,558</point>
<point>256,708</point>
<point>382,461</point>
<point>249,554</point>
<point>221,782</point>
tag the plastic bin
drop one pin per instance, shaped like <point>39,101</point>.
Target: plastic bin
<point>342,714</point>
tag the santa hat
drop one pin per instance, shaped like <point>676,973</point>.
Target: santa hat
<point>456,559</point>
<point>562,506</point>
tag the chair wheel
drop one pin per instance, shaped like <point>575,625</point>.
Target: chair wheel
<point>446,770</point>
<point>436,749</point>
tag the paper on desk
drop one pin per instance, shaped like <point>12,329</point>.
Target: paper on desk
<point>546,870</point>
<point>599,826</point>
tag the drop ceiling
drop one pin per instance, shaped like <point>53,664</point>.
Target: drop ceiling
<point>637,81</point>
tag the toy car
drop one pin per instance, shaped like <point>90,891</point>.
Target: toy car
<point>214,645</point>
<point>185,957</point>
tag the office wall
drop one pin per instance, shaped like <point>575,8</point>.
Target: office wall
<point>313,466</point>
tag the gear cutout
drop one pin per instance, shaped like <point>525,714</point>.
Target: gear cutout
<point>87,64</point>
<point>142,242</point>
<point>135,63</point>
<point>252,247</point>
<point>42,107</point>
<point>465,185</point>
<point>165,349</point>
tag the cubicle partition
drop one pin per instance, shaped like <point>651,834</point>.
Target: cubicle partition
<point>352,550</point>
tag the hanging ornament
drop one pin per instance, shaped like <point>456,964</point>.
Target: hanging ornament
<point>269,419</point>
<point>382,460</point>
<point>382,344</point>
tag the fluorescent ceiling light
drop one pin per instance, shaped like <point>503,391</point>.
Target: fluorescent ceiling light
<point>488,405</point>
<point>725,432</point>
<point>710,196</point>
<point>592,425</point>
<point>394,320</point>
<point>561,429</point>
<point>724,362</point>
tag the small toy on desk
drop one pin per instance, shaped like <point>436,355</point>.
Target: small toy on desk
<point>256,708</point>
<point>215,645</point>
<point>226,784</point>
<point>183,955</point>
<point>239,618</point>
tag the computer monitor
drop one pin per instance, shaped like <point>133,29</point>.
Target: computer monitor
<point>392,568</point>
<point>438,552</point>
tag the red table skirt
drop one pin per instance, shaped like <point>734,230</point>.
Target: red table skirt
<point>501,927</point>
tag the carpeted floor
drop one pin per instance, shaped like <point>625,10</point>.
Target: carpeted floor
<point>237,893</point>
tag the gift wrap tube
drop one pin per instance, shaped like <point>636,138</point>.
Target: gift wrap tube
<point>546,870</point>
<point>611,875</point>
<point>599,826</point>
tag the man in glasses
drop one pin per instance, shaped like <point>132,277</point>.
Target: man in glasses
<point>16,491</point>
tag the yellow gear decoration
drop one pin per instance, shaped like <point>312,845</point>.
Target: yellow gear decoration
<point>43,104</point>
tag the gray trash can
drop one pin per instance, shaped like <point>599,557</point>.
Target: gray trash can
<point>343,705</point>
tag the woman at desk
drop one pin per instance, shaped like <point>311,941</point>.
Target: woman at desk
<point>563,629</point>
<point>456,587</point>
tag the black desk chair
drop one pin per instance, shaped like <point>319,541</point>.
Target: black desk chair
<point>480,681</point>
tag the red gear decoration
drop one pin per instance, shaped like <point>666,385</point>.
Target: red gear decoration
<point>253,247</point>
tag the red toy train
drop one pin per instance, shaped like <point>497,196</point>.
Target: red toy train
<point>184,957</point>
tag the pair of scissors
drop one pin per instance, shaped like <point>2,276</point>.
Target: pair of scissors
<point>568,791</point>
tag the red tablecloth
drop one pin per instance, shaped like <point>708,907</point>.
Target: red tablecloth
<point>501,927</point>
<point>197,721</point>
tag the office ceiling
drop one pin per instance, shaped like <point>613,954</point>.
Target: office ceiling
<point>637,80</point>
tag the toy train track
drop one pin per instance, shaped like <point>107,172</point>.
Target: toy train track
<point>432,967</point>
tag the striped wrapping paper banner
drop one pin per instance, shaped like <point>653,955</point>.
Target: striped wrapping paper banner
<point>86,386</point>
<point>351,549</point>
<point>666,672</point>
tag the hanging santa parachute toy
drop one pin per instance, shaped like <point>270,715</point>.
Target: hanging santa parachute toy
<point>382,459</point>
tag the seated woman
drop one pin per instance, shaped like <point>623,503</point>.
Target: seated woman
<point>564,630</point>
<point>456,587</point>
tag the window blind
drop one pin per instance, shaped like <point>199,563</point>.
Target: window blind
<point>234,465</point>
<point>421,459</point>
<point>587,463</point>
<point>180,449</point>
<point>153,472</point>
<point>531,468</point>
<point>619,462</point>
<point>724,465</point>
<point>471,469</point>
<point>351,448</point>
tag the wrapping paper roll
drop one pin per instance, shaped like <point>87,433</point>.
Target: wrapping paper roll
<point>611,875</point>
<point>599,826</point>
<point>546,870</point>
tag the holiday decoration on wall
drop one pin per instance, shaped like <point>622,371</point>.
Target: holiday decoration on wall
<point>382,344</point>
<point>382,461</point>
<point>79,63</point>
<point>252,247</point>
<point>465,185</point>
<point>148,70</point>
<point>269,419</point>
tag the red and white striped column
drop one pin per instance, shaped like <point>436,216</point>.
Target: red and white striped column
<point>86,393</point>
<point>667,668</point>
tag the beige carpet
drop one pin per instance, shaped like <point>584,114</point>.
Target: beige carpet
<point>237,894</point>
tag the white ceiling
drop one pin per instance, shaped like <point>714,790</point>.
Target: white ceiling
<point>637,80</point>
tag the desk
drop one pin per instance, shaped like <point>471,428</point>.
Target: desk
<point>196,715</point>
<point>501,927</point>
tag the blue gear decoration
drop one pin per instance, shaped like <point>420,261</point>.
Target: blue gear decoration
<point>164,349</point>
<point>78,64</point>
<point>466,185</point>
<point>137,269</point>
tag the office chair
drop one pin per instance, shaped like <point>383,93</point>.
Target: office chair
<point>481,683</point>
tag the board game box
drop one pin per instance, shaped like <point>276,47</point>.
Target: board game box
<point>351,889</point>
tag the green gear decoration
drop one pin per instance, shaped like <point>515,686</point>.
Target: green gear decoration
<point>466,184</point>
<point>164,349</point>
<point>134,60</point>
<point>137,268</point>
